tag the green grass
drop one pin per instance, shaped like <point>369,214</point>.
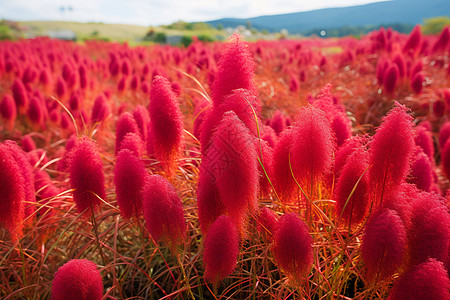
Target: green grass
<point>112,32</point>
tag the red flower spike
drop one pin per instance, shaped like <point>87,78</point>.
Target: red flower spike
<point>241,102</point>
<point>86,175</point>
<point>422,172</point>
<point>20,94</point>
<point>312,148</point>
<point>221,249</point>
<point>130,177</point>
<point>417,82</point>
<point>428,280</point>
<point>133,142</point>
<point>140,114</point>
<point>282,178</point>
<point>424,140</point>
<point>12,193</point>
<point>125,124</point>
<point>235,70</point>
<point>209,202</point>
<point>351,145</point>
<point>383,246</point>
<point>412,45</point>
<point>166,123</point>
<point>392,148</point>
<point>100,110</point>
<point>8,110</point>
<point>163,210</point>
<point>27,143</point>
<point>429,236</point>
<point>234,165</point>
<point>390,78</point>
<point>78,279</point>
<point>355,209</point>
<point>442,41</point>
<point>293,246</point>
<point>27,174</point>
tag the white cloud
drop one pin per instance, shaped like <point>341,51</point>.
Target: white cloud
<point>156,12</point>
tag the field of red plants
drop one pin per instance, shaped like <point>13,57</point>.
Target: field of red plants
<point>289,169</point>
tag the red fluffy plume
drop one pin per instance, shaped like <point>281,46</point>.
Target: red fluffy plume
<point>221,249</point>
<point>429,235</point>
<point>282,178</point>
<point>312,148</point>
<point>12,193</point>
<point>235,166</point>
<point>163,210</point>
<point>384,244</point>
<point>125,124</point>
<point>209,201</point>
<point>78,279</point>
<point>392,148</point>
<point>130,177</point>
<point>166,123</point>
<point>293,246</point>
<point>352,207</point>
<point>86,175</point>
<point>235,70</point>
<point>429,280</point>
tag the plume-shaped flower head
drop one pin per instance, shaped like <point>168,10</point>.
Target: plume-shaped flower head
<point>221,249</point>
<point>78,279</point>
<point>428,280</point>
<point>235,70</point>
<point>293,246</point>
<point>163,210</point>
<point>392,148</point>
<point>130,177</point>
<point>384,244</point>
<point>166,122</point>
<point>86,174</point>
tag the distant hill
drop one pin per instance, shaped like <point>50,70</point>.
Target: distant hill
<point>374,14</point>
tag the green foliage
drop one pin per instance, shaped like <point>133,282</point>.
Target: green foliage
<point>157,37</point>
<point>435,25</point>
<point>181,25</point>
<point>5,32</point>
<point>186,40</point>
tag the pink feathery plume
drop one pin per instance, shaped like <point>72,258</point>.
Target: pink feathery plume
<point>12,193</point>
<point>166,123</point>
<point>86,175</point>
<point>429,235</point>
<point>130,177</point>
<point>163,210</point>
<point>125,124</point>
<point>293,246</point>
<point>235,70</point>
<point>8,111</point>
<point>428,280</point>
<point>391,149</point>
<point>221,249</point>
<point>283,182</point>
<point>353,207</point>
<point>78,279</point>
<point>384,243</point>
<point>312,148</point>
<point>235,166</point>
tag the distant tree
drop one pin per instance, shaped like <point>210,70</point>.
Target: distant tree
<point>435,25</point>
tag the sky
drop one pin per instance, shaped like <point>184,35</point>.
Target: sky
<point>156,12</point>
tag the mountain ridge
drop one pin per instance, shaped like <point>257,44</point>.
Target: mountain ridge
<point>387,12</point>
